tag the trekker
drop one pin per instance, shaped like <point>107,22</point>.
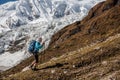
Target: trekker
<point>34,49</point>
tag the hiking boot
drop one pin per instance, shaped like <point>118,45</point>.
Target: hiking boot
<point>34,69</point>
<point>30,66</point>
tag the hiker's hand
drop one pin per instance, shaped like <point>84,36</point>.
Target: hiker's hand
<point>43,43</point>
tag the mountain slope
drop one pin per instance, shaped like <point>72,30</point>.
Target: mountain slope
<point>80,63</point>
<point>88,49</point>
<point>14,41</point>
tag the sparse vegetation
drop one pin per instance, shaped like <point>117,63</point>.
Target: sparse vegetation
<point>90,53</point>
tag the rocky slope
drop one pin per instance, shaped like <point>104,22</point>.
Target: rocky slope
<point>86,50</point>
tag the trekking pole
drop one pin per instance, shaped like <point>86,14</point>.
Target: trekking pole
<point>44,48</point>
<point>43,52</point>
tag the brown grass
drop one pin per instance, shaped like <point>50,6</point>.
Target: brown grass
<point>81,49</point>
<point>81,58</point>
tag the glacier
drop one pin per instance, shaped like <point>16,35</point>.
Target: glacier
<point>24,20</point>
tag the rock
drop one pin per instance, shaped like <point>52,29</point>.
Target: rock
<point>73,66</point>
<point>2,50</point>
<point>52,71</point>
<point>65,72</point>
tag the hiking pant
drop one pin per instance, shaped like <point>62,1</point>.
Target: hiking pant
<point>35,57</point>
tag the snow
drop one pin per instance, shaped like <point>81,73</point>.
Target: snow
<point>9,60</point>
<point>51,16</point>
<point>14,14</point>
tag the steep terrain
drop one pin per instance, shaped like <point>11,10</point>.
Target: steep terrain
<point>24,20</point>
<point>86,50</point>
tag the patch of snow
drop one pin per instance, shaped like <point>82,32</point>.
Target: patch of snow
<point>9,60</point>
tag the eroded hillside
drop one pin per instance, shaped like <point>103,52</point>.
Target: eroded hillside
<point>86,50</point>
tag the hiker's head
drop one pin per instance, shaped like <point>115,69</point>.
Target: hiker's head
<point>40,39</point>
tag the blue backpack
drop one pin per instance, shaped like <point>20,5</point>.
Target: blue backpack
<point>31,46</point>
